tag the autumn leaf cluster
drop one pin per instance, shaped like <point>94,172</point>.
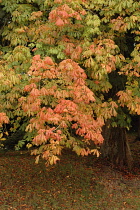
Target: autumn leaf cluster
<point>66,68</point>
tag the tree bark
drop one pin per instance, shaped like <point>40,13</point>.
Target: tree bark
<point>115,147</point>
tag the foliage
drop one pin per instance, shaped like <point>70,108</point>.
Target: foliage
<point>66,68</point>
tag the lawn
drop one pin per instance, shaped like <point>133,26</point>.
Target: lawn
<point>75,183</point>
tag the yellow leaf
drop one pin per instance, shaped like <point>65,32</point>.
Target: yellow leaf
<point>6,133</point>
<point>29,145</point>
<point>37,159</point>
<point>1,135</point>
<point>53,160</point>
<point>95,152</point>
<point>2,139</point>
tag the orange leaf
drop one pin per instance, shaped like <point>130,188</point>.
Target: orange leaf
<point>48,61</point>
<point>59,22</point>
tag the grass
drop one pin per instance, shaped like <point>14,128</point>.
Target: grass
<point>75,183</point>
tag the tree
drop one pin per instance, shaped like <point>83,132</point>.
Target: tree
<point>70,69</point>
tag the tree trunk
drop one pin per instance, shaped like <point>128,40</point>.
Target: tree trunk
<point>115,147</point>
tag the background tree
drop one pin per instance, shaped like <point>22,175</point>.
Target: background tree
<point>72,67</point>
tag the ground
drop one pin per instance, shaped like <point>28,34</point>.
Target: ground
<point>75,183</point>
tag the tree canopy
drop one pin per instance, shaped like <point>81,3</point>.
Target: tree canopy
<point>66,68</point>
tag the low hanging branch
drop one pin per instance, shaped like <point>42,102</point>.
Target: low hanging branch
<point>67,106</point>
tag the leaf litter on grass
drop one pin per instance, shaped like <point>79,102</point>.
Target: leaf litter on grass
<point>74,183</point>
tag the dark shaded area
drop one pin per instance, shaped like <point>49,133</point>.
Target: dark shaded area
<point>126,43</point>
<point>118,83</point>
<point>12,140</point>
<point>136,126</point>
<point>5,18</point>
